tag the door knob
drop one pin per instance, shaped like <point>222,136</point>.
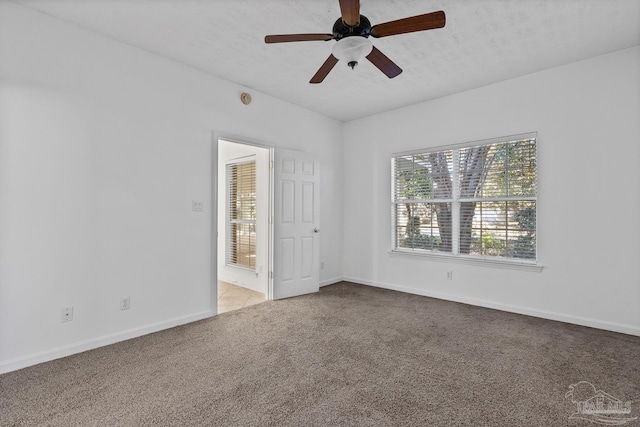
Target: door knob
<point>316,230</point>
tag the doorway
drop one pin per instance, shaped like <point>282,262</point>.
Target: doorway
<point>243,225</point>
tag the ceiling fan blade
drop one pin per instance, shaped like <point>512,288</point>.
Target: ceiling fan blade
<point>383,63</point>
<point>284,38</point>
<point>428,21</point>
<point>328,65</point>
<point>350,10</point>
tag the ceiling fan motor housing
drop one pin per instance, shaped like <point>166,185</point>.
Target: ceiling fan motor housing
<point>342,30</point>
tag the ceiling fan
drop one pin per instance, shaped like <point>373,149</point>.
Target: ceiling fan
<point>352,31</point>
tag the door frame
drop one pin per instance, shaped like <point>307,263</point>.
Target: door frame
<point>215,198</point>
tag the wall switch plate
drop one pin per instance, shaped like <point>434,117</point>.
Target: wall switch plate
<point>125,303</point>
<point>449,275</point>
<point>67,314</point>
<point>197,206</point>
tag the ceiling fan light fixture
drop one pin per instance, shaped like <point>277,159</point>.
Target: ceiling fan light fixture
<point>351,32</point>
<point>352,49</point>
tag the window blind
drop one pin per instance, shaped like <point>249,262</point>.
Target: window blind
<point>241,215</point>
<point>477,200</point>
<point>422,197</point>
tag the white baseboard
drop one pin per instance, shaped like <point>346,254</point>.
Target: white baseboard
<point>576,320</point>
<point>90,344</point>
<point>68,350</point>
<point>330,281</point>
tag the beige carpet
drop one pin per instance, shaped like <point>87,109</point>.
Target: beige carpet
<point>348,355</point>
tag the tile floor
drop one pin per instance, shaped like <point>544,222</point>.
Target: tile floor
<point>232,297</point>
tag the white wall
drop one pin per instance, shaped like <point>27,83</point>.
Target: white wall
<point>102,149</point>
<point>258,280</point>
<point>587,115</point>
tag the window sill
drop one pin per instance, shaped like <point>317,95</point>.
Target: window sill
<point>461,259</point>
<point>242,267</point>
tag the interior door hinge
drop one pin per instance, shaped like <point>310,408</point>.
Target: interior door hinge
<point>271,275</point>
<point>271,164</point>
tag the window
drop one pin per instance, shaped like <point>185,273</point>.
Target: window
<point>475,200</point>
<point>241,214</point>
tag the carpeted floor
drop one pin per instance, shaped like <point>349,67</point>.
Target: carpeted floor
<point>348,355</point>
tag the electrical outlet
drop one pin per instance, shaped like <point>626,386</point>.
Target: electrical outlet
<point>67,314</point>
<point>125,303</point>
<point>322,265</point>
<point>449,275</point>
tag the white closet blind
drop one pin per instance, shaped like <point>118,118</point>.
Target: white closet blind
<point>241,214</point>
<point>477,200</point>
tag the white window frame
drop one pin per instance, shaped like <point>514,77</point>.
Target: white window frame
<point>455,256</point>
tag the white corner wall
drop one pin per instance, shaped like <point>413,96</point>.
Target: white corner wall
<point>587,115</point>
<point>102,149</point>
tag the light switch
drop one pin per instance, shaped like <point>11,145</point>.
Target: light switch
<point>196,206</point>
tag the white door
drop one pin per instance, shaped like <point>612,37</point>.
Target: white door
<point>296,235</point>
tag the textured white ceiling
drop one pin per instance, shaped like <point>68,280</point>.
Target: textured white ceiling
<point>483,42</point>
